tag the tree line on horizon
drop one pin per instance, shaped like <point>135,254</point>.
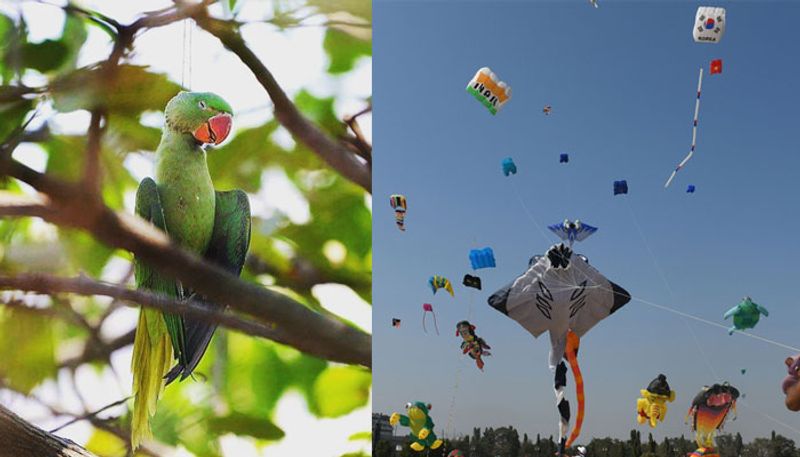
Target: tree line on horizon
<point>506,442</point>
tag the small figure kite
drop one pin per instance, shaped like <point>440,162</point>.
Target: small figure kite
<point>564,296</point>
<point>745,315</point>
<point>620,187</point>
<point>791,383</point>
<point>564,158</point>
<point>421,425</point>
<point>547,110</point>
<point>395,323</point>
<point>428,308</point>
<point>690,189</point>
<point>456,453</point>
<point>472,344</point>
<point>652,407</point>
<point>572,231</point>
<point>472,281</point>
<point>482,258</point>
<point>509,167</point>
<point>716,67</point>
<point>440,282</point>
<point>487,88</point>
<point>398,202</point>
<point>709,24</point>
<point>694,131</point>
<point>709,410</point>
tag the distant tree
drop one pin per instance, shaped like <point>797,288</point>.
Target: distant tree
<point>382,449</point>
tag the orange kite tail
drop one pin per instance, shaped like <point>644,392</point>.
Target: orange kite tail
<point>573,343</point>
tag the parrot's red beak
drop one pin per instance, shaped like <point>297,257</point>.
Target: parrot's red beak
<point>215,130</point>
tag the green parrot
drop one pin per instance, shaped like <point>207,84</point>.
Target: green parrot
<point>181,201</point>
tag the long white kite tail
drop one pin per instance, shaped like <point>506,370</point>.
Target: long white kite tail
<point>694,131</point>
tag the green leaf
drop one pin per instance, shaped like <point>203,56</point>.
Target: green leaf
<point>106,444</point>
<point>12,115</point>
<point>360,8</point>
<point>133,91</point>
<point>320,111</point>
<point>344,50</point>
<point>341,389</point>
<point>245,425</point>
<point>361,436</point>
<point>74,36</point>
<point>85,253</point>
<point>26,348</point>
<point>44,57</point>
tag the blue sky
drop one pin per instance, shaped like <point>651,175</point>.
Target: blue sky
<point>621,80</point>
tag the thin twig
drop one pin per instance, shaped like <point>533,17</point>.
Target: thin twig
<point>91,414</point>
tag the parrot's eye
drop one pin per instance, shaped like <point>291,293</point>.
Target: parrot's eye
<point>202,104</point>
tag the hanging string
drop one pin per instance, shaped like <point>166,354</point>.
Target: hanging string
<point>186,61</point>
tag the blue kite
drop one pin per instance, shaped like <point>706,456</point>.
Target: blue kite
<point>620,187</point>
<point>572,231</point>
<point>564,158</point>
<point>509,168</point>
<point>482,258</point>
<point>690,189</point>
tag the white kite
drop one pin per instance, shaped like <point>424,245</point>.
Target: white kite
<point>709,24</point>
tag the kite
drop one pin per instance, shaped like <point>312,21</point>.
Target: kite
<point>395,323</point>
<point>428,308</point>
<point>547,110</point>
<point>456,453</point>
<point>487,88</point>
<point>709,410</point>
<point>709,24</point>
<point>652,407</point>
<point>472,281</point>
<point>572,231</point>
<point>791,383</point>
<point>690,189</point>
<point>743,371</point>
<point>620,187</point>
<point>440,282</point>
<point>745,315</point>
<point>705,452</point>
<point>398,202</point>
<point>563,295</point>
<point>694,132</point>
<point>472,344</point>
<point>509,167</point>
<point>564,158</point>
<point>581,451</point>
<point>716,67</point>
<point>482,258</point>
<point>594,3</point>
<point>420,423</point>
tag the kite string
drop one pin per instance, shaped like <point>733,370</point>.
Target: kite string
<point>530,214</point>
<point>669,289</point>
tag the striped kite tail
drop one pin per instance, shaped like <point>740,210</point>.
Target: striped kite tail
<point>573,343</point>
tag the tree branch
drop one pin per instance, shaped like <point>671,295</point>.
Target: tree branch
<point>81,285</point>
<point>334,153</point>
<point>18,438</point>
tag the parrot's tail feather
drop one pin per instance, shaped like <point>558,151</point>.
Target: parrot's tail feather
<point>198,337</point>
<point>152,353</point>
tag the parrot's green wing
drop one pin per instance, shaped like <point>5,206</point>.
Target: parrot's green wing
<point>228,249</point>
<point>148,207</point>
<point>155,333</point>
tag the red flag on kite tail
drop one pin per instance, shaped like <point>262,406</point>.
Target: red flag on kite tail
<point>716,66</point>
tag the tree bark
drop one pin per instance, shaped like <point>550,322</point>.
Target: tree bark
<point>21,439</point>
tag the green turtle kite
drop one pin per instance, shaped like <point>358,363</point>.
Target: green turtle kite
<point>421,426</point>
<point>182,202</point>
<point>745,315</point>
